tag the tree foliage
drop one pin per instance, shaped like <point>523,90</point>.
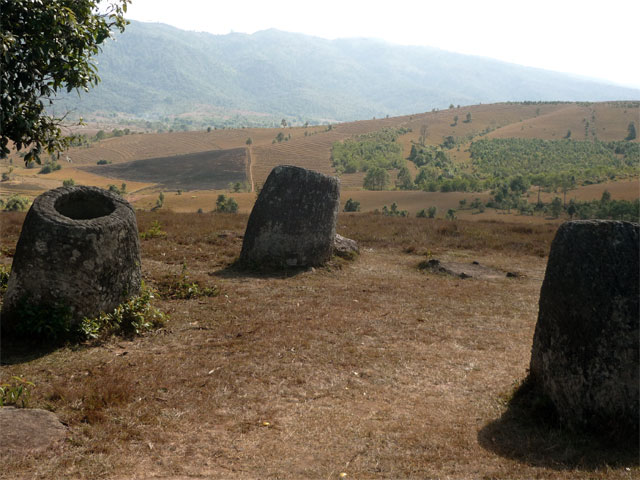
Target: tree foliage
<point>47,47</point>
<point>376,149</point>
<point>377,178</point>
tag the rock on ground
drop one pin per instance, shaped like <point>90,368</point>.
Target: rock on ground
<point>28,430</point>
<point>585,350</point>
<point>345,247</point>
<point>293,222</point>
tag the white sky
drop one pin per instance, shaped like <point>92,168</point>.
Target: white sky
<point>594,38</point>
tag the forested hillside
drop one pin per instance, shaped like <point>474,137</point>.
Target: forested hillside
<point>155,71</point>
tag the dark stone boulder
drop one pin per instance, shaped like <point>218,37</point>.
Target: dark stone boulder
<point>585,356</point>
<point>345,247</point>
<point>293,222</point>
<point>79,252</point>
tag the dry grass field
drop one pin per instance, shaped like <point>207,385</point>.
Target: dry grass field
<point>369,369</point>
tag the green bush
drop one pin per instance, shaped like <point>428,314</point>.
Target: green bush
<point>352,206</point>
<point>134,317</point>
<point>69,182</point>
<point>16,392</point>
<point>226,205</point>
<point>154,231</point>
<point>50,167</point>
<point>16,203</point>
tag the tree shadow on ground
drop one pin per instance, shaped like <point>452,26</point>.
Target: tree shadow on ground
<point>529,432</point>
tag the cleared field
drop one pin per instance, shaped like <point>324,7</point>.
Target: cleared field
<point>196,171</point>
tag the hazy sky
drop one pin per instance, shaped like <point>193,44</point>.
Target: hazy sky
<point>594,38</point>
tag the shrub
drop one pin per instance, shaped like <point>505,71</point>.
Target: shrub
<point>226,205</point>
<point>154,231</point>
<point>16,392</point>
<point>352,206</point>
<point>69,182</point>
<point>4,278</point>
<point>50,167</point>
<point>102,162</point>
<point>16,203</point>
<point>134,317</point>
<point>181,287</point>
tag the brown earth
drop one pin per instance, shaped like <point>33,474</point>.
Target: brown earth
<point>371,368</point>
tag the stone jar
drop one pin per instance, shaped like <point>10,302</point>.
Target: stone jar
<point>585,355</point>
<point>293,222</point>
<point>78,251</point>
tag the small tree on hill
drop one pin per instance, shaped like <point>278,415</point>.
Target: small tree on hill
<point>631,129</point>
<point>404,181</point>
<point>376,179</point>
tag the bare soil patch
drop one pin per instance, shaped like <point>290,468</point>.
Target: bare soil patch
<point>196,171</point>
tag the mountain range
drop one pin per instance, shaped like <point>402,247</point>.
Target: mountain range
<point>153,71</point>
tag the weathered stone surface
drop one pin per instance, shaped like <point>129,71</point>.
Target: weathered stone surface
<point>345,247</point>
<point>585,355</point>
<point>28,430</point>
<point>78,249</point>
<point>293,222</point>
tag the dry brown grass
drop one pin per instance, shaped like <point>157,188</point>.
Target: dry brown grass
<point>369,368</point>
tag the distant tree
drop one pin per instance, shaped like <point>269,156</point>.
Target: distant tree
<point>556,207</point>
<point>432,212</point>
<point>208,129</point>
<point>423,135</point>
<point>283,123</point>
<point>449,142</point>
<point>468,119</point>
<point>160,200</point>
<point>451,105</point>
<point>568,135</point>
<point>226,205</point>
<point>404,181</point>
<point>572,209</point>
<point>249,141</point>
<point>631,129</point>
<point>606,197</point>
<point>351,206</point>
<point>280,137</point>
<point>376,179</point>
<point>101,135</point>
<point>455,121</point>
<point>451,214</point>
<point>123,188</point>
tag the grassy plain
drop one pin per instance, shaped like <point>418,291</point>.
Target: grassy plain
<point>372,368</point>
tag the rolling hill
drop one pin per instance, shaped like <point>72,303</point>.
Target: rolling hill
<point>154,71</point>
<point>205,162</point>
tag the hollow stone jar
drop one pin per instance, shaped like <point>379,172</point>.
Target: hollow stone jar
<point>78,250</point>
